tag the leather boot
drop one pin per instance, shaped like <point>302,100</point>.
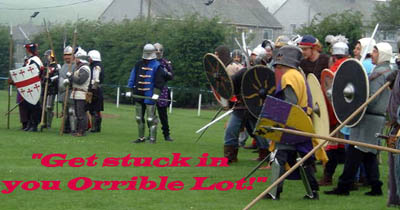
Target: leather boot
<point>376,189</point>
<point>262,154</point>
<point>229,152</point>
<point>235,153</point>
<point>325,180</point>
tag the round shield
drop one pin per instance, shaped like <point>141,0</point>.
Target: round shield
<point>217,76</point>
<point>326,83</point>
<point>350,89</point>
<point>320,115</point>
<point>257,83</point>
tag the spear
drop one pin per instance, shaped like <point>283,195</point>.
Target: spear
<point>9,67</point>
<point>47,77</point>
<point>67,88</point>
<point>308,155</point>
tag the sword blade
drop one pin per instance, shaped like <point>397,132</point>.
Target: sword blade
<point>215,116</point>
<point>150,98</point>
<point>214,121</point>
<point>257,166</point>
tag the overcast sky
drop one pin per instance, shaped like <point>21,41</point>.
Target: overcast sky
<point>19,11</point>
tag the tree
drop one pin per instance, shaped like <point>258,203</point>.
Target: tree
<point>387,15</point>
<point>186,41</point>
<point>347,23</point>
<point>4,50</point>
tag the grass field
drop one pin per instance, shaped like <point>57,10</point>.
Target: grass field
<point>119,128</point>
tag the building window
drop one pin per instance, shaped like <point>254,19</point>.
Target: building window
<point>268,34</point>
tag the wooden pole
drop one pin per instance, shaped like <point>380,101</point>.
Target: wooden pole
<point>338,140</point>
<point>299,163</point>
<point>9,68</point>
<point>64,113</point>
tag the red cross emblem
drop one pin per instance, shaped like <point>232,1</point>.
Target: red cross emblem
<point>30,69</point>
<point>36,87</point>
<point>22,91</point>
<point>30,91</point>
<point>14,74</point>
<point>22,72</point>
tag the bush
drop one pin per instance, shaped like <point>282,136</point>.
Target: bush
<point>185,41</point>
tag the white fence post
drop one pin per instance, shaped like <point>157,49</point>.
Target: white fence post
<point>199,109</point>
<point>118,92</point>
<point>172,100</point>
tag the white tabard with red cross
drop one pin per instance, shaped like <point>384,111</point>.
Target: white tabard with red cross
<point>27,81</point>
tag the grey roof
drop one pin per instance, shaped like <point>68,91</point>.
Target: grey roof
<point>272,5</point>
<point>326,7</point>
<point>238,12</point>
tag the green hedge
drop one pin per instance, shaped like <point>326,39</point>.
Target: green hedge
<point>185,42</point>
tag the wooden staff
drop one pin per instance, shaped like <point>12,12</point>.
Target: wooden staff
<point>9,68</point>
<point>46,87</point>
<point>299,163</point>
<point>338,140</point>
<point>64,113</point>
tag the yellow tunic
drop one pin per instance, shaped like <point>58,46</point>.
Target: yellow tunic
<point>295,79</point>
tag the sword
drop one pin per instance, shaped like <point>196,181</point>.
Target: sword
<point>147,97</point>
<point>365,51</point>
<point>214,121</point>
<point>9,112</point>
<point>23,33</point>
<point>257,166</point>
<point>215,116</point>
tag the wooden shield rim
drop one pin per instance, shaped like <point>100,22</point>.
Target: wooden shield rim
<point>219,60</point>
<point>367,88</point>
<point>324,115</point>
<point>241,88</point>
<point>326,71</point>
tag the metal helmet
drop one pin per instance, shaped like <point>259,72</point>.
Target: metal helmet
<point>237,55</point>
<point>295,40</point>
<point>159,50</point>
<point>364,44</point>
<point>149,52</point>
<point>68,50</point>
<point>289,56</point>
<point>49,53</point>
<point>340,48</point>
<point>266,43</point>
<point>32,48</point>
<point>81,54</point>
<point>281,41</point>
<point>385,52</point>
<point>94,55</point>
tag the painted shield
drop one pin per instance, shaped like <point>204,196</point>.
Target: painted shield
<point>320,115</point>
<point>278,113</point>
<point>27,81</point>
<point>217,76</point>
<point>326,83</point>
<point>222,101</point>
<point>350,89</point>
<point>257,83</point>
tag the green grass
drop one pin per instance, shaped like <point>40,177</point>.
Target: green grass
<point>119,128</point>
